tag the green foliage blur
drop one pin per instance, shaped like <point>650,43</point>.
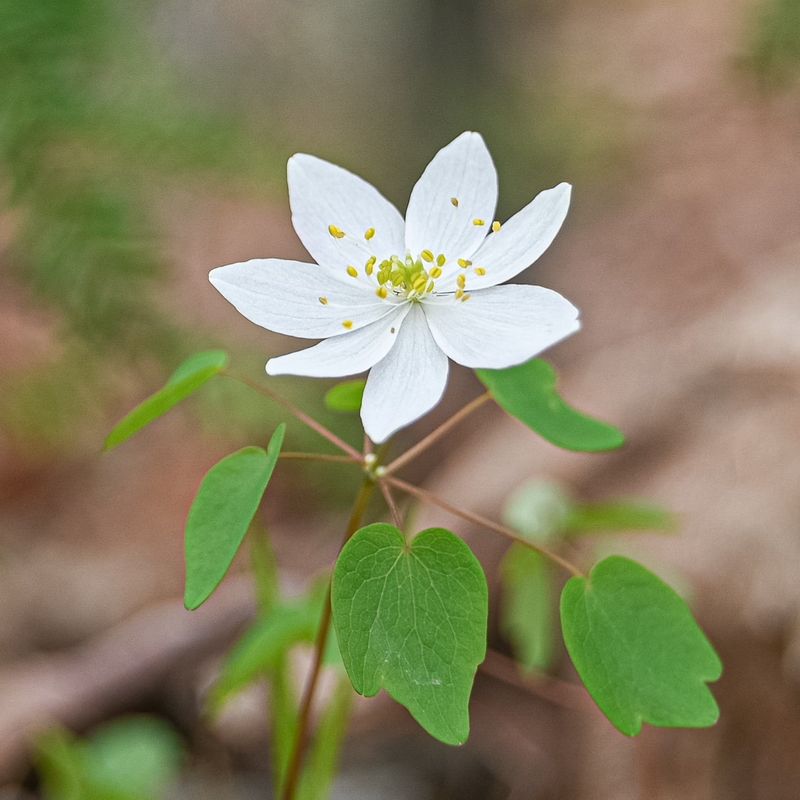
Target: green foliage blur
<point>132,758</point>
<point>774,46</point>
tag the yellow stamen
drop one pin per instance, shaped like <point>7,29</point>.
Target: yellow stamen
<point>370,265</point>
<point>459,294</point>
<point>454,201</point>
<point>419,282</point>
<point>369,233</point>
<point>480,271</point>
<point>436,272</point>
<point>496,226</point>
<point>352,271</point>
<point>461,281</point>
<point>348,323</point>
<point>465,298</point>
<point>464,263</point>
<point>382,292</point>
<point>323,300</point>
<point>427,255</point>
<point>478,222</point>
<point>441,260</point>
<point>337,233</point>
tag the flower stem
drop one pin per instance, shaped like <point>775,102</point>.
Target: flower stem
<point>334,459</point>
<point>294,767</point>
<point>484,522</point>
<point>435,435</point>
<point>297,413</point>
<point>392,505</point>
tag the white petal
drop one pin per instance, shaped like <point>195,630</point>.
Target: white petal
<point>500,326</point>
<point>462,170</point>
<point>350,354</point>
<point>285,297</point>
<point>407,383</point>
<point>521,240</point>
<point>322,194</point>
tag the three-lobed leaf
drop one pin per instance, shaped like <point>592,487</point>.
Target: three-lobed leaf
<point>638,649</point>
<point>186,379</point>
<point>528,392</point>
<point>410,617</point>
<point>346,397</point>
<point>221,513</point>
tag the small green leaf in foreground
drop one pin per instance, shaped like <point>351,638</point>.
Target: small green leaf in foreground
<point>528,608</point>
<point>411,618</point>
<point>186,379</point>
<point>346,397</point>
<point>528,392</point>
<point>221,513</point>
<point>638,649</point>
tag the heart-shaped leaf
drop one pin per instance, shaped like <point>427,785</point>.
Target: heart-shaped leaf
<point>528,392</point>
<point>186,379</point>
<point>346,397</point>
<point>638,649</point>
<point>411,618</point>
<point>221,513</point>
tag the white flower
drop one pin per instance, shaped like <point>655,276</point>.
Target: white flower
<point>398,298</point>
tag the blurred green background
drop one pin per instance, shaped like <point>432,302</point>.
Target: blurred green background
<point>142,144</point>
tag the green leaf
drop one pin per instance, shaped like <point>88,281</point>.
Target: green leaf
<point>137,756</point>
<point>411,618</point>
<point>61,763</point>
<point>594,517</point>
<point>133,758</point>
<point>528,392</point>
<point>346,397</point>
<point>221,513</point>
<point>528,607</point>
<point>260,648</point>
<point>187,379</point>
<point>638,649</point>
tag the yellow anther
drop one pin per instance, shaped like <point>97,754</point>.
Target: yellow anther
<point>370,265</point>
<point>478,222</point>
<point>382,292</point>
<point>419,282</point>
<point>459,294</point>
<point>465,298</point>
<point>454,201</point>
<point>461,281</point>
<point>369,233</point>
<point>427,255</point>
<point>464,263</point>
<point>436,272</point>
<point>496,226</point>
<point>480,271</point>
<point>348,323</point>
<point>441,260</point>
<point>323,300</point>
<point>352,271</point>
<point>337,233</point>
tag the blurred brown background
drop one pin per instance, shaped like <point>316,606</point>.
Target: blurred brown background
<point>143,144</point>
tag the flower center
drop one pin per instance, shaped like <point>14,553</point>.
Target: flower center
<point>409,278</point>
